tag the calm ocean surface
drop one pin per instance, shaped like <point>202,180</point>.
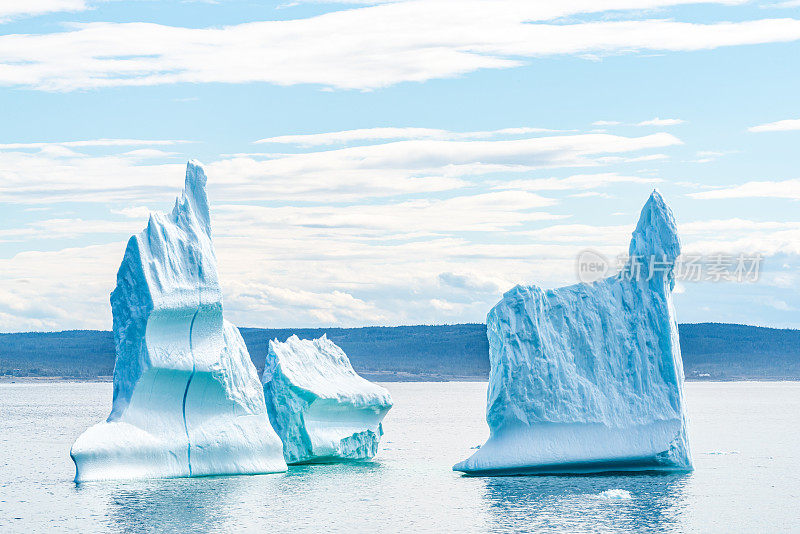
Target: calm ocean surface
<point>745,440</point>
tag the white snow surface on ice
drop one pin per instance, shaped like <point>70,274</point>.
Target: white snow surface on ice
<point>589,377</point>
<point>187,398</point>
<point>321,408</point>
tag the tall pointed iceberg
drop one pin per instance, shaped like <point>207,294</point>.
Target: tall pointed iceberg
<point>322,409</point>
<point>588,378</point>
<point>187,398</point>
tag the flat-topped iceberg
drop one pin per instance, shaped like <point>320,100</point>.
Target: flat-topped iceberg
<point>187,399</point>
<point>589,378</point>
<point>322,410</point>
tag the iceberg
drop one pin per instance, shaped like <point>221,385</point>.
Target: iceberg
<point>588,378</point>
<point>321,408</point>
<point>187,398</point>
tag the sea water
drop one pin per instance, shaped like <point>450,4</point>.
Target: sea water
<point>744,437</point>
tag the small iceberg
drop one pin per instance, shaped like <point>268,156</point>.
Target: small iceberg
<point>322,410</point>
<point>589,378</point>
<point>616,495</point>
<point>187,399</point>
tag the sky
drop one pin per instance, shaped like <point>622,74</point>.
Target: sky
<point>395,163</point>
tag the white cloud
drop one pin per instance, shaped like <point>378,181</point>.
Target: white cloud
<point>591,194</point>
<point>789,189</point>
<point>66,228</point>
<point>57,173</point>
<point>285,276</point>
<point>734,225</point>
<point>483,212</point>
<point>778,304</point>
<point>93,143</point>
<point>778,126</point>
<point>417,165</point>
<point>363,134</point>
<point>383,134</point>
<point>133,212</point>
<point>58,176</point>
<point>293,266</point>
<point>661,122</point>
<point>443,305</point>
<point>738,235</point>
<point>651,122</point>
<point>585,234</point>
<point>349,236</point>
<point>11,9</point>
<point>611,160</point>
<point>58,290</point>
<point>575,182</point>
<point>304,307</point>
<point>148,153</point>
<point>469,282</point>
<point>376,46</point>
<point>361,2</point>
<point>733,235</point>
<point>406,231</point>
<point>707,156</point>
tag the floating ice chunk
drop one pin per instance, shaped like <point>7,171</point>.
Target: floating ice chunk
<point>187,399</point>
<point>589,377</point>
<point>322,410</point>
<point>616,495</point>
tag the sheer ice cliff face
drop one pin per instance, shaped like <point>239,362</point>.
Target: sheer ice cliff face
<point>589,377</point>
<point>187,399</point>
<point>322,410</point>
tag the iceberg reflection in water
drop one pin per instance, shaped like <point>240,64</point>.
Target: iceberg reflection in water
<point>581,503</point>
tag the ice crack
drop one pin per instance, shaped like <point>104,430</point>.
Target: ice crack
<point>186,392</point>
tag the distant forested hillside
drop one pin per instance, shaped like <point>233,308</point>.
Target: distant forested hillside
<point>711,351</point>
<point>426,352</point>
<point>74,353</point>
<point>737,352</point>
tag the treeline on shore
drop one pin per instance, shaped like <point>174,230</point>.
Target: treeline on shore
<point>711,351</point>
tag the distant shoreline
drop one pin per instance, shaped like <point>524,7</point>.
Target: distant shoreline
<point>369,376</point>
<point>711,352</point>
